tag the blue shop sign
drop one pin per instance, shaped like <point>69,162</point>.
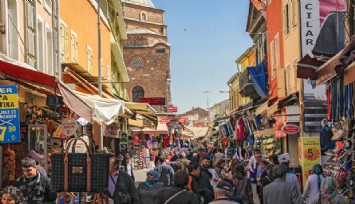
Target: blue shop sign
<point>9,115</point>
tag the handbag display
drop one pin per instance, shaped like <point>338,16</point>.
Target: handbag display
<point>79,172</point>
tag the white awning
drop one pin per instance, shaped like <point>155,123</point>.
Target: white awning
<point>92,107</point>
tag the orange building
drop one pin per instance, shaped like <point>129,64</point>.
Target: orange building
<point>79,32</point>
<point>275,46</point>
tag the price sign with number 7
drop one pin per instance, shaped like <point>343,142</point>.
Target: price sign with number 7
<point>2,132</point>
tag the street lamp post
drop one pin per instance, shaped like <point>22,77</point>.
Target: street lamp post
<point>207,92</point>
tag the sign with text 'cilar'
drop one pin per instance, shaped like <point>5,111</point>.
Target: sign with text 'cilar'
<point>9,115</point>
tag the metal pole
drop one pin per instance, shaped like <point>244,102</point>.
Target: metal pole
<point>206,92</point>
<point>99,48</point>
<point>59,57</point>
<point>100,69</point>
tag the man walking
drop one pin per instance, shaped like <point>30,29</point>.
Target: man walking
<point>204,184</point>
<point>223,193</point>
<point>35,187</point>
<point>280,191</point>
<point>166,172</point>
<point>121,188</point>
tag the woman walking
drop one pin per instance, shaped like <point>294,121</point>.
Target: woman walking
<point>242,186</point>
<point>149,191</point>
<point>312,189</point>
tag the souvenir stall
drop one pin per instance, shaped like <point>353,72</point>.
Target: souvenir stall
<point>337,135</point>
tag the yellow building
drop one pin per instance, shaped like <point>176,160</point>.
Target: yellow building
<point>292,52</point>
<point>245,60</point>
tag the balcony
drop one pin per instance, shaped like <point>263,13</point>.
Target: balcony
<point>246,88</point>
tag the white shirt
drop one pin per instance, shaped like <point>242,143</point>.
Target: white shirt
<point>129,169</point>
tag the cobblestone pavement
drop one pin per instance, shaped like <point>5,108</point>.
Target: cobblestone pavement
<point>140,176</point>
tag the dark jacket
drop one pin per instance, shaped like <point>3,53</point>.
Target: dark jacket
<point>166,174</point>
<point>185,197</point>
<point>280,191</point>
<point>243,188</point>
<point>125,184</point>
<point>204,185</point>
<point>37,190</point>
<point>148,195</point>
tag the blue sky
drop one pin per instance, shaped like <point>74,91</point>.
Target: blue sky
<point>206,38</point>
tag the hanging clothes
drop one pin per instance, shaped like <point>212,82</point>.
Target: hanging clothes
<point>241,129</point>
<point>166,141</point>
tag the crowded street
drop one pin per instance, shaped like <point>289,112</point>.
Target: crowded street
<point>177,102</point>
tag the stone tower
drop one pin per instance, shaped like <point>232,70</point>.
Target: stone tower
<point>146,52</point>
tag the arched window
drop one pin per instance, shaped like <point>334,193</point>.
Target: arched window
<point>143,16</point>
<point>137,93</point>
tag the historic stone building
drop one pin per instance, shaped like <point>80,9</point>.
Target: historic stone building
<point>146,52</point>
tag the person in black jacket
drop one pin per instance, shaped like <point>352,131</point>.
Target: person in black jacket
<point>121,188</point>
<point>204,184</point>
<point>178,194</point>
<point>35,187</point>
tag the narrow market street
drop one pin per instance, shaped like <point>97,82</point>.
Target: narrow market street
<point>177,102</point>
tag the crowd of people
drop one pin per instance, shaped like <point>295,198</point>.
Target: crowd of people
<point>196,175</point>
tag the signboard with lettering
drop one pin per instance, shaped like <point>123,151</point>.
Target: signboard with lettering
<point>309,154</point>
<point>9,115</point>
<point>154,100</point>
<point>69,126</point>
<point>172,109</point>
<point>291,129</point>
<point>320,25</point>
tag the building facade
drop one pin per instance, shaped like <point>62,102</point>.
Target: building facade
<point>146,52</point>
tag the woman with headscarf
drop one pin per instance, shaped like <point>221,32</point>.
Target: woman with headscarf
<point>149,191</point>
<point>12,195</point>
<point>312,188</point>
<point>329,194</point>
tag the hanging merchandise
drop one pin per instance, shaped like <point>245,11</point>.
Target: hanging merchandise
<point>241,129</point>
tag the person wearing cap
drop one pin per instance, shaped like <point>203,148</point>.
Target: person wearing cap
<point>280,191</point>
<point>149,191</point>
<point>223,193</point>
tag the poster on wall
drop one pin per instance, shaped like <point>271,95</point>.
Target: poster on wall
<point>9,115</point>
<point>309,154</point>
<point>322,33</point>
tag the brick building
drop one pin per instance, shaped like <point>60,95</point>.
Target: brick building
<point>146,52</point>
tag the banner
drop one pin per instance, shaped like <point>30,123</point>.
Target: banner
<point>322,30</point>
<point>309,154</point>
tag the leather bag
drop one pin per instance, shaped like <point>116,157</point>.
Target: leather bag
<point>79,172</point>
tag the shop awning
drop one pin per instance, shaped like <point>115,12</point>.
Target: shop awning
<point>274,108</point>
<point>144,109</point>
<point>307,67</point>
<point>20,70</point>
<point>84,83</point>
<point>196,132</point>
<point>262,108</point>
<point>92,107</point>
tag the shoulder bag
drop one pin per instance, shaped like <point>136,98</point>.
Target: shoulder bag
<point>172,197</point>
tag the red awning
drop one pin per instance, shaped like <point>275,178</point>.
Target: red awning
<point>23,71</point>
